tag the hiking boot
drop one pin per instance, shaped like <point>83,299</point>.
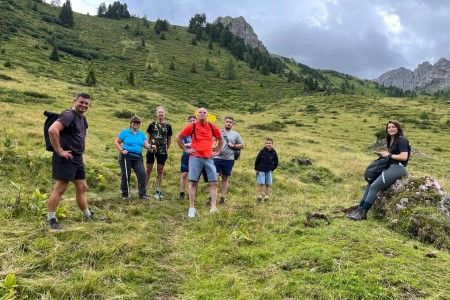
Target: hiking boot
<point>358,215</point>
<point>258,200</point>
<point>54,224</point>
<point>209,201</point>
<point>181,196</point>
<point>353,212</point>
<point>93,218</point>
<point>191,212</point>
<point>213,210</point>
<point>222,200</point>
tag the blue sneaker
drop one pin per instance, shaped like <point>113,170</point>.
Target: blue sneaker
<point>191,213</point>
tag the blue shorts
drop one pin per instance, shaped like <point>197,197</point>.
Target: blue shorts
<point>264,178</point>
<point>184,163</point>
<point>196,165</point>
<point>224,166</point>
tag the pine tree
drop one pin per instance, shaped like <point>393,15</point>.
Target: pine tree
<point>130,78</point>
<point>66,15</point>
<point>55,55</point>
<point>91,79</point>
<point>193,68</point>
<point>208,66</point>
<point>172,65</point>
<point>198,34</point>
<point>101,10</point>
<point>230,70</point>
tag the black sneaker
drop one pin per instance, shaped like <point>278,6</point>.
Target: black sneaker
<point>93,218</point>
<point>54,224</point>
<point>181,196</point>
<point>222,200</point>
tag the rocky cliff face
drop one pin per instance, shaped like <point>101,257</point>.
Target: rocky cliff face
<point>425,77</point>
<point>239,27</point>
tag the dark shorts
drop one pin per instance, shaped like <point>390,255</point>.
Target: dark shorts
<point>68,169</point>
<point>184,163</point>
<point>160,158</point>
<point>224,166</point>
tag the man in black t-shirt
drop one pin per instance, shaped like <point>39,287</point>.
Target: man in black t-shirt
<point>160,138</point>
<point>67,159</point>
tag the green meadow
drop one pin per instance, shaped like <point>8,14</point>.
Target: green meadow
<point>151,249</point>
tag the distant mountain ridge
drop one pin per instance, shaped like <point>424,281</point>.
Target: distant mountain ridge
<point>425,77</point>
<point>239,27</point>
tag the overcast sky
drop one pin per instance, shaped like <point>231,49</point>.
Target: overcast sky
<point>359,37</point>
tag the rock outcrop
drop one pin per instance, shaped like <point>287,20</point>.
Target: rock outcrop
<point>417,207</point>
<point>239,27</point>
<point>425,77</point>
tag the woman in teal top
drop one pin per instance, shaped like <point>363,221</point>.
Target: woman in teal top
<point>129,143</point>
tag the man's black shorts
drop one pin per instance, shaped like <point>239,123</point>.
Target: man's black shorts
<point>68,169</point>
<point>160,158</point>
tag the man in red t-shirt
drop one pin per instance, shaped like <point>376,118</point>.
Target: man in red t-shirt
<point>201,156</point>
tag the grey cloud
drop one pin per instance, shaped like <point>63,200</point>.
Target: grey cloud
<point>348,36</point>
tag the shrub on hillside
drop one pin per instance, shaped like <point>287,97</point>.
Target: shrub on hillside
<point>273,126</point>
<point>6,77</point>
<point>86,54</point>
<point>36,95</point>
<point>310,109</point>
<point>124,114</point>
<point>294,122</point>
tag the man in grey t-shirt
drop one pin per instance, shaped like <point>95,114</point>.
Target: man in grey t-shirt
<point>224,162</point>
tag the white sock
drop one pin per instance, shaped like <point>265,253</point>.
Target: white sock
<point>86,212</point>
<point>51,215</point>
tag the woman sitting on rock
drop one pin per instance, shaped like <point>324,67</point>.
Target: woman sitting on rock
<point>398,150</point>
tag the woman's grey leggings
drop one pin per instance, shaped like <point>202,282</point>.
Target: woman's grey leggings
<point>391,174</point>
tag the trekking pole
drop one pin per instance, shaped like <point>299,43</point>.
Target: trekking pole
<point>126,175</point>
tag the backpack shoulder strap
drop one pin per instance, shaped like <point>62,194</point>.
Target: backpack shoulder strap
<point>193,131</point>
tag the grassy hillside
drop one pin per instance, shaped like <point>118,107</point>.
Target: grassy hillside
<point>151,250</point>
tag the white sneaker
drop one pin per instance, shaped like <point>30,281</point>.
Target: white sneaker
<point>214,210</point>
<point>191,213</point>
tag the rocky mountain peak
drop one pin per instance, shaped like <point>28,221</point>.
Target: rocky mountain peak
<point>425,77</point>
<point>239,27</point>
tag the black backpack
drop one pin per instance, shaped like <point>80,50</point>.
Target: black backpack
<point>51,118</point>
<point>375,168</point>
